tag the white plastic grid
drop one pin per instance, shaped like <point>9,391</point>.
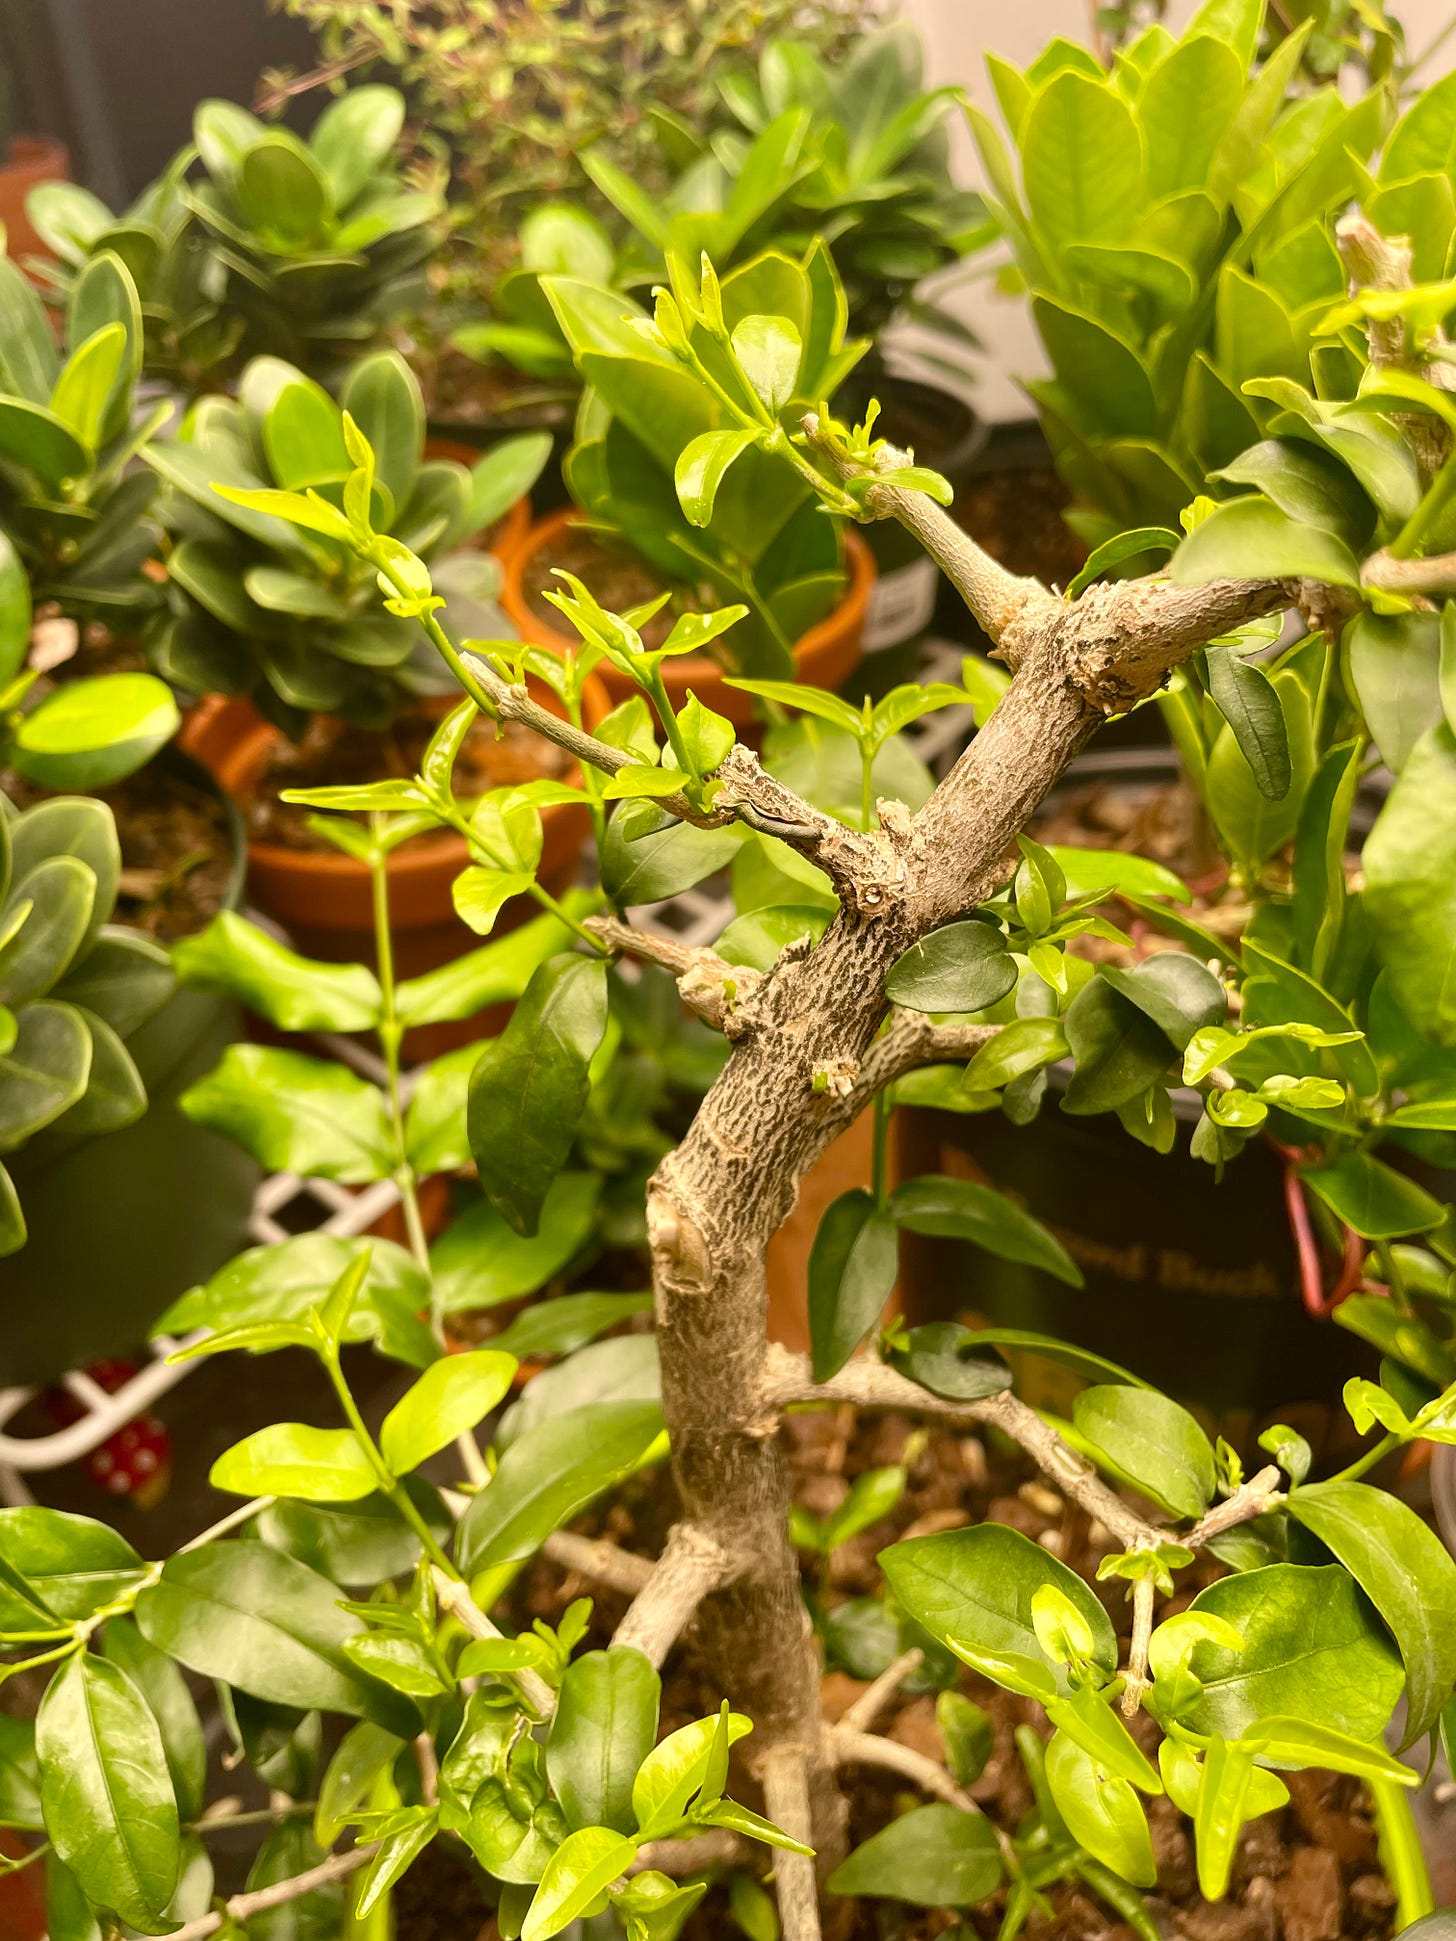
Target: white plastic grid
<point>697,916</point>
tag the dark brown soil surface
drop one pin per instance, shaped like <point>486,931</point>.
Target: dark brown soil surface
<point>176,849</point>
<point>1307,1873</point>
<point>1016,515</point>
<point>333,753</point>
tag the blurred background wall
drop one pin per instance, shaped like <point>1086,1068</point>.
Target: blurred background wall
<point>117,80</point>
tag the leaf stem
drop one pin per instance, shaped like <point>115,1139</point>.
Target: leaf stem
<point>1400,1851</point>
<point>390,1033</point>
<point>1370,1458</point>
<point>389,1483</point>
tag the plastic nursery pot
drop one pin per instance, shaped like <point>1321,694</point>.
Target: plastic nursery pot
<point>324,899</point>
<point>1191,1283</point>
<point>943,431</point>
<point>29,161</point>
<point>825,656</point>
<point>123,1223</point>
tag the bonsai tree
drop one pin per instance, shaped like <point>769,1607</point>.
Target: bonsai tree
<point>256,606</point>
<point>301,250</point>
<point>549,1767</point>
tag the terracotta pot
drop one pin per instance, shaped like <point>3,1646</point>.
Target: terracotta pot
<point>30,160</point>
<point>825,656</point>
<point>507,534</point>
<point>324,899</point>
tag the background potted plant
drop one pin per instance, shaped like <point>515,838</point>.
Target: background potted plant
<point>776,558</point>
<point>287,624</point>
<point>613,81</point>
<point>551,1771</point>
<point>253,242</point>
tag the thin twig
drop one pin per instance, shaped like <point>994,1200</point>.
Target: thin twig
<point>602,1562</point>
<point>912,1041</point>
<point>242,1907</point>
<point>455,1600</point>
<point>691,1565</point>
<point>1143,1594</point>
<point>1262,1492</point>
<point>700,1853</point>
<point>708,984</point>
<point>786,1796</point>
<point>851,1748</point>
<point>860,1716</point>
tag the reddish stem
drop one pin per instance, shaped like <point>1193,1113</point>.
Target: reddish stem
<point>1311,1278</point>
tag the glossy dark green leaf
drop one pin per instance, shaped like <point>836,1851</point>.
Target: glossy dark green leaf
<point>964,967</point>
<point>14,610</point>
<point>1313,1650</point>
<point>1394,663</point>
<point>296,1114</point>
<point>852,1269</point>
<point>567,1321</point>
<point>932,1856</point>
<point>967,1735</point>
<point>19,1775</point>
<point>949,1360</point>
<point>647,855</point>
<point>604,1727</point>
<point>45,1070</point>
<point>1406,1572</point>
<point>1152,1442</point>
<point>479,1261</point>
<point>548,1474</point>
<point>1249,703</point>
<point>1409,861</point>
<point>106,1792</point>
<point>529,1090</point>
<point>960,1209</point>
<point>1119,1050</point>
<point>976,1586</point>
<point>243,1612</point>
<point>621,1369</point>
<point>1373,1198</point>
<point>73,1564</point>
<point>171,1705</point>
<point>1251,539</point>
<point>356,1545</point>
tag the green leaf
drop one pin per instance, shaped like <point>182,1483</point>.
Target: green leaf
<point>1089,1718</point>
<point>549,1473</point>
<point>943,1357</point>
<point>701,468</point>
<point>852,1269</point>
<point>769,351</point>
<point>1409,861</point>
<point>1180,995</point>
<point>1251,539</point>
<point>291,1459</point>
<point>355,135</point>
<point>1373,1198</point>
<point>358,1545</point>
<point>967,1735</point>
<point>72,1564</point>
<point>1223,1800</point>
<point>975,1587</point>
<point>1087,870</point>
<point>296,1114</point>
<point>83,389</point>
<point>15,611</point>
<point>243,1612</point>
<point>40,442</point>
<point>44,1072</point>
<point>106,1793</point>
<point>399,1848</point>
<point>964,967</point>
<point>506,473</point>
<point>1081,161</point>
<point>1151,1442</point>
<point>1313,1650</point>
<point>648,855</point>
<point>1406,1572</point>
<point>282,191</point>
<point>295,993</point>
<point>1185,108</point>
<point>1025,1045</point>
<point>165,1691</point>
<point>932,1856</point>
<point>88,734</point>
<point>1249,702</point>
<point>568,1321</point>
<point>496,973</point>
<point>962,1209</point>
<point>19,1775</point>
<point>479,1261</point>
<point>1119,1050</point>
<point>1102,1813</point>
<point>1394,662</point>
<point>1298,1743</point>
<point>1114,552</point>
<point>364,1752</point>
<point>447,1401</point>
<point>604,1726</point>
<point>675,1770</point>
<point>529,1090</point>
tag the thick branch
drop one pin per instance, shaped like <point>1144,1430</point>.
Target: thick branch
<point>1376,262</point>
<point>786,1796</point>
<point>853,1748</point>
<point>700,1853</point>
<point>455,1600</point>
<point>914,1040</point>
<point>691,1565</point>
<point>866,866</point>
<point>602,1562</point>
<point>242,1907</point>
<point>993,595</point>
<point>1434,575</point>
<point>710,986</point>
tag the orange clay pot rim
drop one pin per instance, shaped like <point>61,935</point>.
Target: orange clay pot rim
<point>424,854</point>
<point>684,668</point>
